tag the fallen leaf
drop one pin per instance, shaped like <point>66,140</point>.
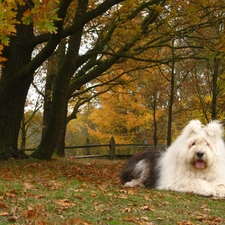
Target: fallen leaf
<point>128,209</point>
<point>11,194</point>
<point>4,213</point>
<point>77,221</point>
<point>93,194</point>
<point>30,213</point>
<point>64,203</point>
<point>130,219</point>
<point>28,186</point>
<point>185,223</point>
<point>12,219</point>
<point>3,205</point>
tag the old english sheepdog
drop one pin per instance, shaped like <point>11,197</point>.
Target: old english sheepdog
<point>195,163</point>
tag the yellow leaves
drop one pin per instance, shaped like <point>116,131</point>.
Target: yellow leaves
<point>27,17</point>
<point>7,21</point>
<point>157,8</point>
<point>43,15</point>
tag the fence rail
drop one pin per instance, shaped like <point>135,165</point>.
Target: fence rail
<point>111,148</point>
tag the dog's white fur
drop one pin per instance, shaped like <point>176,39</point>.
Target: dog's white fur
<point>195,162</point>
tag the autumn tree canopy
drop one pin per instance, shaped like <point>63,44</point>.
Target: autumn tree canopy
<point>182,76</point>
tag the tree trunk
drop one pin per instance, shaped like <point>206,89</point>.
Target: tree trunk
<point>11,115</point>
<point>60,147</point>
<point>52,71</point>
<point>214,89</point>
<point>155,121</point>
<point>47,102</point>
<point>14,88</point>
<point>49,141</point>
<point>23,134</point>
<point>170,113</point>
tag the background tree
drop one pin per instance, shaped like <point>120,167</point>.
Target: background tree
<point>193,35</point>
<point>30,130</point>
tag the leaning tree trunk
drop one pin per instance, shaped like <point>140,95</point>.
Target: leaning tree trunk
<point>14,88</point>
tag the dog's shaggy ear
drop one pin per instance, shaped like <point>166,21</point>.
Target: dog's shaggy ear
<point>215,129</point>
<point>193,127</point>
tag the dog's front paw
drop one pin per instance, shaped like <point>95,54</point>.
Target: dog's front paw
<point>220,191</point>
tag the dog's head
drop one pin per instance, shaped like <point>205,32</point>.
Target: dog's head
<point>200,153</point>
<point>201,143</point>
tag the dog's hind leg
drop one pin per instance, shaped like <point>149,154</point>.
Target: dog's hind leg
<point>140,174</point>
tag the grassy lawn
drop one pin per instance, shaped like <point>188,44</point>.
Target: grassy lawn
<point>87,191</point>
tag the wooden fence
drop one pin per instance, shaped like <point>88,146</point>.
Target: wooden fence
<point>112,145</point>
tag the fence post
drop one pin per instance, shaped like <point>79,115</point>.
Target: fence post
<point>112,148</point>
<point>87,149</point>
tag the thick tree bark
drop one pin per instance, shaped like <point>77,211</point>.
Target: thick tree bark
<point>48,143</point>
<point>51,75</point>
<point>11,115</point>
<point>60,146</point>
<point>14,88</point>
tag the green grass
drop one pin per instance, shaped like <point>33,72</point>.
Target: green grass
<point>87,191</point>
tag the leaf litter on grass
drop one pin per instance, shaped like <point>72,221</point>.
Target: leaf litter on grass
<point>87,191</point>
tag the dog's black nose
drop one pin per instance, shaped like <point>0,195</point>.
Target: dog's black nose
<point>199,154</point>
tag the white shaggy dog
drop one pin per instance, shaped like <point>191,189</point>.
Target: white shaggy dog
<point>195,163</point>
